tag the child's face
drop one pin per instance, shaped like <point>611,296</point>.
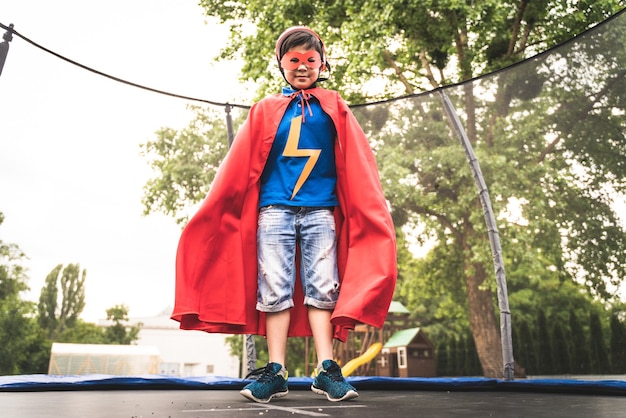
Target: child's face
<point>301,66</point>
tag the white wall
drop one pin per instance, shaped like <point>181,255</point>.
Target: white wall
<point>185,353</point>
<point>196,352</point>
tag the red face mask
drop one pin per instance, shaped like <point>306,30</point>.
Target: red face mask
<point>292,60</point>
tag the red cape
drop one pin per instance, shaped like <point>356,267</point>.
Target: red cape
<point>216,262</point>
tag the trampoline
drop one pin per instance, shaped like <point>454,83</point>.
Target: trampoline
<point>209,396</point>
<point>162,396</point>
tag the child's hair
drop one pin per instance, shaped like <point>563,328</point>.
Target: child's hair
<point>300,36</point>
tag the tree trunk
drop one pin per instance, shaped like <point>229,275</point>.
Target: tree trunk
<point>483,322</point>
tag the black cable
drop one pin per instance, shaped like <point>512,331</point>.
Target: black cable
<point>130,83</point>
<point>227,105</point>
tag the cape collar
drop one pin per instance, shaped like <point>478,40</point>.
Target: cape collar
<point>303,95</point>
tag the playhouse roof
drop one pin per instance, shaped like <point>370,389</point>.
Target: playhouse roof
<point>402,338</point>
<point>398,308</point>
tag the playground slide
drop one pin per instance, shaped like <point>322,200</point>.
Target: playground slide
<point>364,358</point>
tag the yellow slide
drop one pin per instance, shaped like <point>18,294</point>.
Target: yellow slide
<point>366,357</point>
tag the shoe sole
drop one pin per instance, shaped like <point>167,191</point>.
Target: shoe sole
<point>351,394</point>
<point>246,393</point>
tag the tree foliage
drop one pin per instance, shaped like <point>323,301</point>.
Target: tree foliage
<point>60,311</point>
<point>185,162</point>
<point>549,134</point>
<point>12,275</point>
<point>23,346</point>
<point>410,45</point>
<point>618,344</point>
<point>580,346</point>
<point>120,332</point>
<point>27,330</point>
<point>599,353</point>
<point>82,332</point>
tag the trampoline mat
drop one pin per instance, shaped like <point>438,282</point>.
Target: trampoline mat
<point>162,396</point>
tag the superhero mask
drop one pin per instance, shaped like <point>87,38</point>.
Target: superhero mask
<point>292,60</point>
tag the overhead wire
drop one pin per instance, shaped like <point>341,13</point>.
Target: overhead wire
<point>228,106</point>
<point>120,80</point>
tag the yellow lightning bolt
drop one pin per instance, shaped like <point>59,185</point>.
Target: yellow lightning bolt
<point>291,150</point>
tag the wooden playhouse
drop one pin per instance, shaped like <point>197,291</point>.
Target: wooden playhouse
<point>408,353</point>
<point>395,350</point>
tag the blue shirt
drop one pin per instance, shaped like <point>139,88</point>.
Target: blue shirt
<point>300,169</point>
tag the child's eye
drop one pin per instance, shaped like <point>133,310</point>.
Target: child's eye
<point>294,60</point>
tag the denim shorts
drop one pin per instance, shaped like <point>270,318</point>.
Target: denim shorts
<point>280,230</point>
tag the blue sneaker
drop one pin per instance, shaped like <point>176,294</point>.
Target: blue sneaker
<point>330,382</point>
<point>272,382</point>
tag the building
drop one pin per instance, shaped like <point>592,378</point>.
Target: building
<point>408,353</point>
<point>395,350</point>
<point>185,353</point>
<point>112,359</point>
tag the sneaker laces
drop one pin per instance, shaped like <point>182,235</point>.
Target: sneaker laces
<point>334,372</point>
<point>265,374</point>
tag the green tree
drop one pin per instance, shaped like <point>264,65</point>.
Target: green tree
<point>599,352</point>
<point>120,332</point>
<point>186,162</point>
<point>59,312</point>
<point>618,345</point>
<point>23,346</point>
<point>83,332</point>
<point>443,359</point>
<point>544,348</point>
<point>453,355</point>
<point>561,359</point>
<point>472,362</point>
<point>462,365</point>
<point>426,288</point>
<point>531,133</point>
<point>295,355</point>
<point>13,278</point>
<point>580,351</point>
<point>524,347</point>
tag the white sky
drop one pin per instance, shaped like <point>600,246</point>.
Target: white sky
<point>71,176</point>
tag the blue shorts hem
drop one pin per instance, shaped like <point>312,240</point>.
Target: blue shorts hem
<point>279,307</point>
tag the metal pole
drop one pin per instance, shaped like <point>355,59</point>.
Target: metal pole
<point>229,125</point>
<point>494,239</point>
<point>250,352</point>
<point>4,46</point>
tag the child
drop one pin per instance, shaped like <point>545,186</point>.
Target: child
<point>300,190</point>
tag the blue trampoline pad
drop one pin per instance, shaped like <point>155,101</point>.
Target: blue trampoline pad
<point>163,396</point>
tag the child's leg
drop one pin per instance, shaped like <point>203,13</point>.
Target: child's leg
<point>319,276</point>
<point>319,319</point>
<point>329,380</point>
<point>277,328</point>
<point>321,290</point>
<point>272,381</point>
<point>276,251</point>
